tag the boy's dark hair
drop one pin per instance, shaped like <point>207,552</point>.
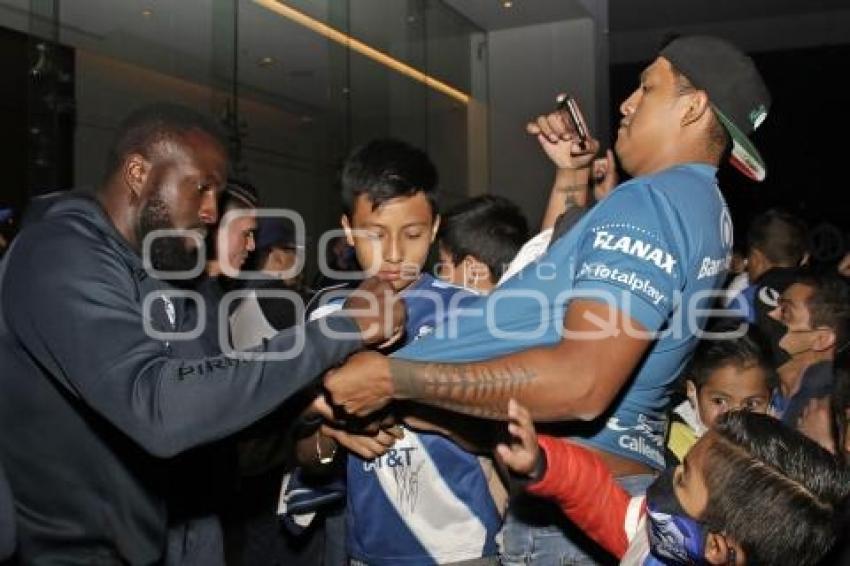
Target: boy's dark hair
<point>151,124</point>
<point>746,351</point>
<point>489,228</point>
<point>780,236</point>
<point>829,304</point>
<point>238,194</point>
<point>386,169</point>
<point>771,489</point>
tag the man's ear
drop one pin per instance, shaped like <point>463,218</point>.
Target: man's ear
<point>435,228</point>
<point>697,106</point>
<point>824,339</point>
<point>346,226</point>
<point>718,549</point>
<point>135,173</point>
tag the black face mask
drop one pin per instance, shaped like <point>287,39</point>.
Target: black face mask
<point>775,331</point>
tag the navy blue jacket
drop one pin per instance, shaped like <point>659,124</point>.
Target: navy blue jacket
<point>94,411</point>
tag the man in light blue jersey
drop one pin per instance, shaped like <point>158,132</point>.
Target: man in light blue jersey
<point>595,330</point>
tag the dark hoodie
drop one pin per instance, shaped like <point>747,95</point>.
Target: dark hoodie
<point>94,412</point>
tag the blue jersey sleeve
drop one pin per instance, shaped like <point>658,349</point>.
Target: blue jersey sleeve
<point>631,256</point>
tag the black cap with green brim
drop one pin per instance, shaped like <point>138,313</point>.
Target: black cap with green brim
<point>735,88</point>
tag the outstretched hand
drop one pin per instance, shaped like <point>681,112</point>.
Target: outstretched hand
<point>522,454</point>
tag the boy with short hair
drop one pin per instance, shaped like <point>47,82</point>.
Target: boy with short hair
<point>423,499</point>
<point>478,239</point>
<point>726,373</point>
<point>751,491</point>
<point>776,249</point>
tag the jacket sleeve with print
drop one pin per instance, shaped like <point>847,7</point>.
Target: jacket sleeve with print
<point>73,301</point>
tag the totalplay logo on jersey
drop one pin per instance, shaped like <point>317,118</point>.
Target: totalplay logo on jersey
<point>629,279</point>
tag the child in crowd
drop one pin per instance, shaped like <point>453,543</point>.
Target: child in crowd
<point>227,246</point>
<point>750,491</point>
<point>413,497</point>
<point>729,371</point>
<point>478,239</point>
<point>776,248</point>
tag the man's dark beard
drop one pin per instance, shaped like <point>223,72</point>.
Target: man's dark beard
<point>166,253</point>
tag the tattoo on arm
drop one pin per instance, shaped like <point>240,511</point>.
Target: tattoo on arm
<point>480,391</point>
<point>571,192</point>
<point>498,412</point>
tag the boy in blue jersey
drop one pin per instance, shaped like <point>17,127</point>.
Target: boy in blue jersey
<point>599,326</point>
<point>415,497</point>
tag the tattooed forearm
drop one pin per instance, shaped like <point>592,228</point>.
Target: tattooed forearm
<point>572,194</point>
<point>496,412</point>
<point>467,388</point>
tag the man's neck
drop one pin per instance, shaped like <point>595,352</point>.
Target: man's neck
<point>213,268</point>
<point>790,376</point>
<point>681,153</point>
<point>411,285</point>
<point>121,215</point>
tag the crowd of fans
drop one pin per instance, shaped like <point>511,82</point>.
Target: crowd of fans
<point>450,389</point>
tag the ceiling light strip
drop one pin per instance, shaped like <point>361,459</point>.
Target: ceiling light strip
<point>362,48</point>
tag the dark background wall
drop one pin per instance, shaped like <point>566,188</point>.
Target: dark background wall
<point>36,117</point>
<point>13,117</point>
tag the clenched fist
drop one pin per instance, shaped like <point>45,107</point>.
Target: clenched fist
<point>361,385</point>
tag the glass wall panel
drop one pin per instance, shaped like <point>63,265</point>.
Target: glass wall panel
<point>296,84</point>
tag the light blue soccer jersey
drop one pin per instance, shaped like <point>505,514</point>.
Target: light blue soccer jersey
<point>426,501</point>
<point>657,248</point>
